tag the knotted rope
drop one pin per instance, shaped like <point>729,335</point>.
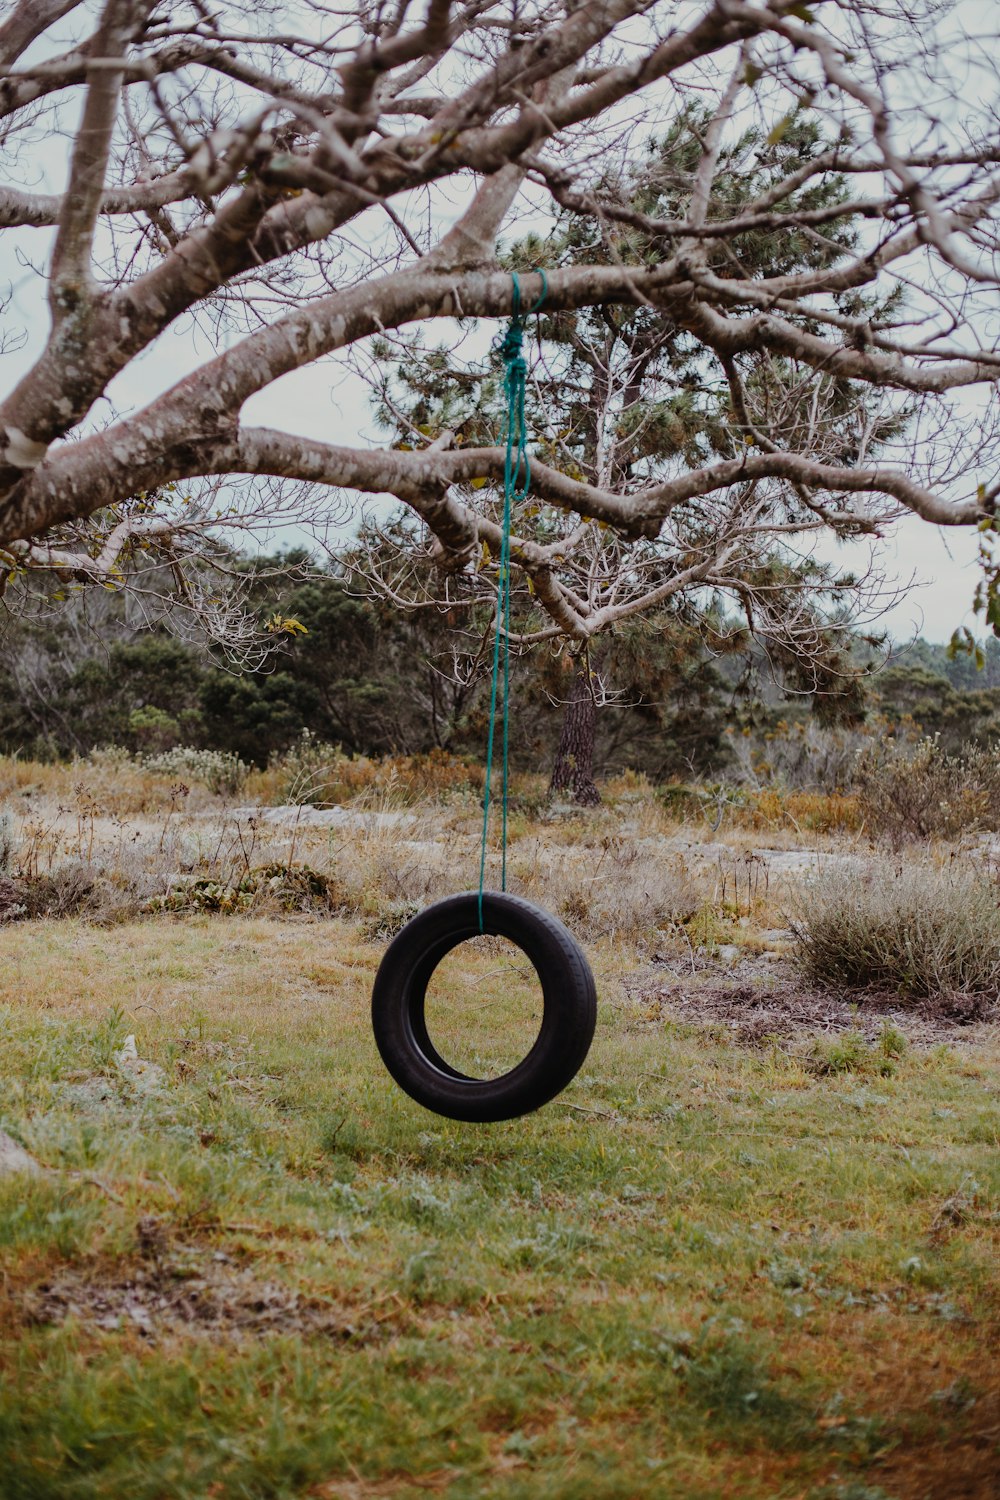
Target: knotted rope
<point>516,459</point>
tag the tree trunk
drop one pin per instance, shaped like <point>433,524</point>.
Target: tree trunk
<point>574,767</point>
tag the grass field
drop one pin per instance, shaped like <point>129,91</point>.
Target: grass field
<point>253,1268</point>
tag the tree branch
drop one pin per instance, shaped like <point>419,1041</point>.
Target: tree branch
<point>71,281</point>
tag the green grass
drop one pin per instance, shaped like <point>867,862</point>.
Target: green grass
<point>704,1271</point>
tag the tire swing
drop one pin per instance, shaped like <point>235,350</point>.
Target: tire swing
<point>569,996</point>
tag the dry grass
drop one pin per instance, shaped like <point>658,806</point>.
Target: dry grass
<point>321,774</point>
<point>810,812</point>
<point>769,809</point>
<point>626,872</point>
<point>77,851</point>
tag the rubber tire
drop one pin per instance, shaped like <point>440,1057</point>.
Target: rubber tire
<point>569,1008</point>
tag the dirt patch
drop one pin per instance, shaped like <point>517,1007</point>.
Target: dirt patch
<point>172,1286</point>
<point>757,1011</point>
<point>965,1466</point>
<point>392,1489</point>
<point>927,1389</point>
<point>944,1432</point>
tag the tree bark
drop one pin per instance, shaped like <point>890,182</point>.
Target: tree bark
<point>574,766</point>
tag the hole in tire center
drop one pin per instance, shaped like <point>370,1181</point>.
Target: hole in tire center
<point>484,1007</point>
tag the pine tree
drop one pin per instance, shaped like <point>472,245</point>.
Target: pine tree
<point>620,397</point>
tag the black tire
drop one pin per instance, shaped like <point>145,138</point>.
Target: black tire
<point>569,1008</point>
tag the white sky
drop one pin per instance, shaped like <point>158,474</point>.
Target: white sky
<point>942,565</point>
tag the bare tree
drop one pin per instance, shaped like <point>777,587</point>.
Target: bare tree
<point>286,176</point>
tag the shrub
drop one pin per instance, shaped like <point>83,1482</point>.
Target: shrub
<point>8,839</point>
<point>81,890</point>
<point>11,903</point>
<point>918,931</point>
<point>803,756</point>
<point>689,802</point>
<point>919,792</point>
<point>274,887</point>
<point>152,730</point>
<point>324,775</point>
<point>220,770</point>
<point>306,770</point>
<point>388,920</point>
<point>111,782</point>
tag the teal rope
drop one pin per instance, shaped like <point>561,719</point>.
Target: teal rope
<point>515,457</point>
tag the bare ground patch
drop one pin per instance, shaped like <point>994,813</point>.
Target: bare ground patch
<point>173,1286</point>
<point>759,1002</point>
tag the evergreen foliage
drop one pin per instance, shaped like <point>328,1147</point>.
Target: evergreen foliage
<point>376,680</point>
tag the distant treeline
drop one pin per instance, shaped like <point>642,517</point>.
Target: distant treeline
<point>375,680</point>
<point>361,674</point>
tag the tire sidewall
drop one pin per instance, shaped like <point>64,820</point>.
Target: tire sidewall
<point>569,1007</point>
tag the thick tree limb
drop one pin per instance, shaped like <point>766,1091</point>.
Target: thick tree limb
<point>71,281</point>
<point>27,21</point>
